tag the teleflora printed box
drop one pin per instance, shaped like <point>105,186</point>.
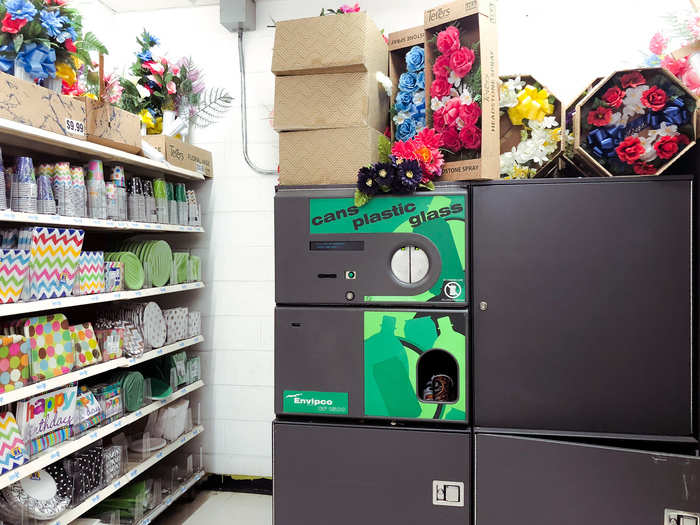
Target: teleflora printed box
<point>183,155</point>
<point>400,43</point>
<point>461,59</point>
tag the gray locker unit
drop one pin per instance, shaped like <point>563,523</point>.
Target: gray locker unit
<point>550,483</point>
<point>350,475</point>
<point>371,363</point>
<point>583,307</point>
<point>402,250</point>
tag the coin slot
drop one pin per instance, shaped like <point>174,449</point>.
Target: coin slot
<point>410,264</point>
<point>327,275</point>
<point>296,325</point>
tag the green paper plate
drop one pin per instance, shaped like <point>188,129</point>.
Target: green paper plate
<point>134,275</point>
<point>160,259</point>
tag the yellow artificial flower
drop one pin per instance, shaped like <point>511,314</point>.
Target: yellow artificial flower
<point>66,73</point>
<point>155,129</point>
<point>91,95</point>
<point>76,61</point>
<point>533,104</point>
<point>147,118</point>
<point>522,172</point>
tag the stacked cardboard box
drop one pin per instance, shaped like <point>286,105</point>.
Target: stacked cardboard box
<point>329,107</point>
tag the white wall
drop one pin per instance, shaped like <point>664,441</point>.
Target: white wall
<point>563,43</point>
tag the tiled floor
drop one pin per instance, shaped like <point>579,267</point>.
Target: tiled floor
<point>230,508</point>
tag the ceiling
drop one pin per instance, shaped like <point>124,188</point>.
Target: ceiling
<point>124,6</point>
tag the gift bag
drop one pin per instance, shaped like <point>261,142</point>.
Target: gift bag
<point>54,261</point>
<point>87,351</point>
<point>90,278</point>
<point>13,271</point>
<point>51,346</point>
<point>13,453</point>
<point>14,362</point>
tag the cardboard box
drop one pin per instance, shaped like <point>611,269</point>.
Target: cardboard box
<point>582,129</point>
<point>511,135</point>
<point>26,103</point>
<point>327,44</point>
<point>182,155</point>
<point>477,26</point>
<point>338,100</point>
<point>330,156</point>
<point>570,163</point>
<point>113,127</point>
<point>399,44</point>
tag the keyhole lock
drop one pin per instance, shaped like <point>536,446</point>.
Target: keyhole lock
<point>483,306</point>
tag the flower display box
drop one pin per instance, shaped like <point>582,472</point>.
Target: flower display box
<point>26,103</point>
<point>572,165</point>
<point>635,122</point>
<point>530,127</point>
<point>328,156</point>
<point>182,155</point>
<point>345,43</point>
<point>111,126</point>
<point>461,76</point>
<point>400,45</point>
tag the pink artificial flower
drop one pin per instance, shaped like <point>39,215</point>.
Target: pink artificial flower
<point>70,45</point>
<point>163,61</point>
<point>440,87</point>
<point>450,137</point>
<point>439,119</point>
<point>448,40</point>
<point>678,67</point>
<point>692,81</point>
<point>470,137</point>
<point>451,113</point>
<point>430,138</point>
<point>461,61</point>
<point>154,67</point>
<point>658,44</point>
<point>171,87</point>
<point>470,113</point>
<point>403,150</point>
<point>441,68</point>
<point>345,8</point>
<point>175,70</point>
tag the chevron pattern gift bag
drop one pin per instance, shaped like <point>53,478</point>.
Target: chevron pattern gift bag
<point>13,452</point>
<point>14,265</point>
<point>90,278</point>
<point>54,262</point>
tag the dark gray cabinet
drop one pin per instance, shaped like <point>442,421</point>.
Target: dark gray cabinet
<point>582,307</point>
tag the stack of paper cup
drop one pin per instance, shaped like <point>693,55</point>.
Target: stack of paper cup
<point>119,179</point>
<point>95,182</point>
<point>172,203</point>
<point>112,201</point>
<point>78,191</point>
<point>182,208</point>
<point>136,204</point>
<point>23,189</point>
<point>193,207</point>
<point>160,192</point>
<point>63,189</point>
<point>150,201</point>
<point>45,198</point>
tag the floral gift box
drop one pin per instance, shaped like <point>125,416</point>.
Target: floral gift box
<point>635,122</point>
<point>407,74</point>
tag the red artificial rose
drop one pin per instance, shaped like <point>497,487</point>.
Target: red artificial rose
<point>470,137</point>
<point>461,61</point>
<point>441,68</point>
<point>11,25</point>
<point>440,87</point>
<point>633,79</point>
<point>654,98</point>
<point>644,168</point>
<point>70,46</point>
<point>387,132</point>
<point>600,116</point>
<point>630,150</point>
<point>470,113</point>
<point>439,119</point>
<point>682,140</point>
<point>678,67</point>
<point>450,137</point>
<point>451,113</point>
<point>666,147</point>
<point>614,96</point>
<point>448,40</point>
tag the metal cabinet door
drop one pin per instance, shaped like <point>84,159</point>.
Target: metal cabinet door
<point>551,483</point>
<point>350,475</point>
<point>582,318</point>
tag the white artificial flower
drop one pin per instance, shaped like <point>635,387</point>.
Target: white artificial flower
<point>143,91</point>
<point>419,97</point>
<point>453,94</point>
<point>385,81</point>
<point>514,84</point>
<point>436,103</point>
<point>569,137</point>
<point>454,79</point>
<point>401,116</point>
<point>466,97</point>
<point>618,119</point>
<point>460,123</point>
<point>420,126</point>
<point>507,163</point>
<point>667,131</point>
<point>649,151</point>
<point>632,103</point>
<point>549,122</point>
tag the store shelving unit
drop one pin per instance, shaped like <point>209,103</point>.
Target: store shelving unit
<point>172,498</point>
<point>17,138</point>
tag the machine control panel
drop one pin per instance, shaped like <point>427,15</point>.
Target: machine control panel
<point>448,493</point>
<point>678,517</point>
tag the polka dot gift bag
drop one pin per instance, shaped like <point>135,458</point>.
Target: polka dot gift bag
<point>51,346</point>
<point>14,362</point>
<point>87,351</point>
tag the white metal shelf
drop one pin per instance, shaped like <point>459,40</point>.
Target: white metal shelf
<point>172,498</point>
<point>29,137</point>
<point>83,373</point>
<point>97,224</point>
<point>69,302</point>
<point>134,470</point>
<point>69,447</point>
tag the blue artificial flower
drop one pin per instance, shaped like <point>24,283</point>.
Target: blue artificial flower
<point>415,59</point>
<point>20,9</point>
<point>652,61</point>
<point>420,80</point>
<point>406,130</point>
<point>52,21</point>
<point>403,100</point>
<point>151,39</point>
<point>145,56</point>
<point>37,60</point>
<point>7,64</point>
<point>408,82</point>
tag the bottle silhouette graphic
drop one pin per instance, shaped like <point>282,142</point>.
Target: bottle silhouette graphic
<point>454,343</point>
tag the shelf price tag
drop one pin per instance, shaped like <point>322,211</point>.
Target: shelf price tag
<point>75,127</point>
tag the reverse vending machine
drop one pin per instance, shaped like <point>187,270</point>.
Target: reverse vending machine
<point>371,367</point>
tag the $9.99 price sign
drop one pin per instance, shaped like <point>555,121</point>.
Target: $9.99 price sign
<point>75,127</point>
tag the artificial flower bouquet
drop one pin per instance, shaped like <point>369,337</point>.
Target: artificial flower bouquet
<point>636,122</point>
<point>407,73</point>
<point>531,119</point>
<point>462,87</point>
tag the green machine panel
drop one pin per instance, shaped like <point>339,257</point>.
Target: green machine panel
<point>372,363</point>
<point>396,250</point>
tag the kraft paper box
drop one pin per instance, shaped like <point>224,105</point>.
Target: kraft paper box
<point>330,156</point>
<point>26,103</point>
<point>113,127</point>
<point>340,100</point>
<point>476,20</point>
<point>327,44</point>
<point>572,165</point>
<point>182,155</point>
<point>399,44</point>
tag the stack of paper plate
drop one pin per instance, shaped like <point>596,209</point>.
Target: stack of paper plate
<point>156,257</point>
<point>134,275</point>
